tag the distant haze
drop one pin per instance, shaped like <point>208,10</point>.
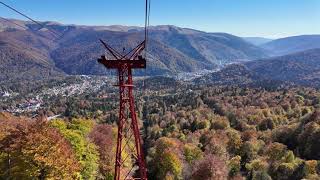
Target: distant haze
<point>257,40</point>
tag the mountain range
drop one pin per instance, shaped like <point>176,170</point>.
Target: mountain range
<point>35,52</point>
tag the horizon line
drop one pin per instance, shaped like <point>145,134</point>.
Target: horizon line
<point>271,37</point>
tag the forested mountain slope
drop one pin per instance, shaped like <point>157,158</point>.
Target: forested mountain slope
<point>25,57</point>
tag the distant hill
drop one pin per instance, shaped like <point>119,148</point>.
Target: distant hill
<point>257,40</point>
<point>293,44</point>
<point>171,49</point>
<point>300,68</point>
<point>206,47</point>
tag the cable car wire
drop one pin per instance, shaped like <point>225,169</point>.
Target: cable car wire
<point>24,15</point>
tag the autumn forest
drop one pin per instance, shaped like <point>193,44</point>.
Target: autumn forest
<point>189,132</point>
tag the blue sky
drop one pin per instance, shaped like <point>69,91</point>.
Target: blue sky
<point>265,18</point>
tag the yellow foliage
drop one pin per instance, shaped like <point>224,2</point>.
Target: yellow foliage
<point>257,165</point>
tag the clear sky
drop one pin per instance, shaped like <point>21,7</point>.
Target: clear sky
<point>264,18</point>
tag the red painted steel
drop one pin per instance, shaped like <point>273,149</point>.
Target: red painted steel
<point>128,121</point>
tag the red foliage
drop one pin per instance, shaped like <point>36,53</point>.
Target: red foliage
<point>210,168</point>
<point>102,136</point>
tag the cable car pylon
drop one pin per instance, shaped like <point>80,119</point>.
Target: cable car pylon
<point>129,144</point>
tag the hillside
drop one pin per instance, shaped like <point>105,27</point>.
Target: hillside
<point>299,68</point>
<point>171,49</point>
<point>21,60</point>
<point>293,44</point>
<point>77,54</point>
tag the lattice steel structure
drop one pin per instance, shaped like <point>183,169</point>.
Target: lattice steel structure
<point>129,144</point>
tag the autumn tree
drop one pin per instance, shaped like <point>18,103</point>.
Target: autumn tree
<point>103,136</point>
<point>166,160</point>
<point>36,150</point>
<point>210,168</point>
<point>192,153</point>
<point>76,133</point>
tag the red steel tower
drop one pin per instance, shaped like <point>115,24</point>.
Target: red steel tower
<point>129,156</point>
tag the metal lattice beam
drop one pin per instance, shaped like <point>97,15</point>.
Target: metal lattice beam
<point>127,114</point>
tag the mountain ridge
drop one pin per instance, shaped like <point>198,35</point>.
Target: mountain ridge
<point>292,44</point>
<point>171,49</point>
